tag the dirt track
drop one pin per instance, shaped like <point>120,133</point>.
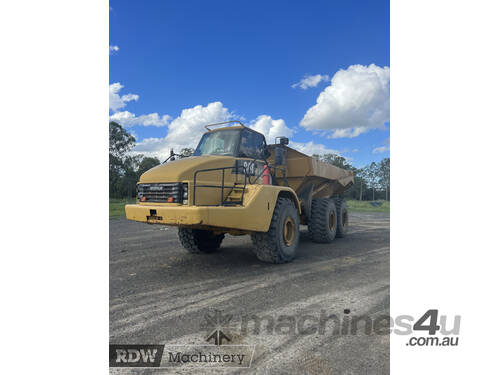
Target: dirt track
<point>159,294</point>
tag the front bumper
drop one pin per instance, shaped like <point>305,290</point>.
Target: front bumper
<point>254,215</point>
<point>169,215</point>
<point>242,218</point>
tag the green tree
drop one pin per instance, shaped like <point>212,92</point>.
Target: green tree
<point>360,179</point>
<point>129,177</point>
<point>120,143</point>
<point>125,169</point>
<point>384,175</point>
<point>146,164</point>
<point>371,176</point>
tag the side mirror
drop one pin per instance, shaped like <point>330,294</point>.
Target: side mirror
<point>266,153</point>
<point>282,141</point>
<point>279,156</point>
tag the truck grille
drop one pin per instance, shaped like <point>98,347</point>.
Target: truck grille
<point>160,192</point>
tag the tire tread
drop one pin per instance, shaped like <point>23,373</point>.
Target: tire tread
<point>318,228</point>
<point>199,241</point>
<point>340,203</point>
<point>265,244</point>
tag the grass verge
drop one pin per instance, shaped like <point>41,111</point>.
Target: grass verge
<point>365,206</point>
<point>117,206</point>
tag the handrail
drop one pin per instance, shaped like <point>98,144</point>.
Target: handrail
<point>222,123</point>
<point>247,177</point>
<point>222,186</point>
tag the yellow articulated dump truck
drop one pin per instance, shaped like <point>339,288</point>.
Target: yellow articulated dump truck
<point>237,184</point>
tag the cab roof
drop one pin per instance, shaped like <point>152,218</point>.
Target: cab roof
<point>223,128</point>
<point>228,128</point>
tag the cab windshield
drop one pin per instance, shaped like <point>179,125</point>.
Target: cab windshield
<point>219,143</point>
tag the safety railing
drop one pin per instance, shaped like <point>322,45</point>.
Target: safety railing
<point>222,186</point>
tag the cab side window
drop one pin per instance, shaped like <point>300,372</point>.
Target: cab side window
<point>252,145</point>
<point>261,147</point>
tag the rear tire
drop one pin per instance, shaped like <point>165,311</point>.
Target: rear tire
<point>342,217</point>
<point>323,222</point>
<point>279,244</point>
<point>199,241</point>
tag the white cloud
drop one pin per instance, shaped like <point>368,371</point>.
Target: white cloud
<point>271,128</point>
<point>185,130</point>
<point>154,147</point>
<point>356,101</point>
<point>347,133</point>
<point>310,81</point>
<point>115,100</point>
<point>380,150</point>
<point>133,134</point>
<point>113,49</point>
<point>127,119</point>
<point>310,148</point>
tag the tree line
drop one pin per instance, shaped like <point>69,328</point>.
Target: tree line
<point>371,182</point>
<point>125,169</point>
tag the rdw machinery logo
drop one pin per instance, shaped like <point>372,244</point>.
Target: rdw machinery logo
<point>135,355</point>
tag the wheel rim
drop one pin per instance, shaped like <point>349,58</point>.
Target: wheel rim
<point>331,220</point>
<point>344,218</point>
<point>289,231</point>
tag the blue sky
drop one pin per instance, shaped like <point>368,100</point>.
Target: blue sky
<point>244,57</point>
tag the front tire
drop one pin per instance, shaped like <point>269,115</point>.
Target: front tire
<point>279,244</point>
<point>200,241</point>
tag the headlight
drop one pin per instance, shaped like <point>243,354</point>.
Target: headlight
<point>184,193</point>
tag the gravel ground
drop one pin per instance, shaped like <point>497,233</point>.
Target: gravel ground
<point>160,294</point>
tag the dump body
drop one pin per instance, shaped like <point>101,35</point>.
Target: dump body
<point>304,172</point>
